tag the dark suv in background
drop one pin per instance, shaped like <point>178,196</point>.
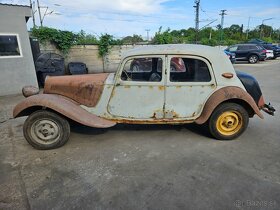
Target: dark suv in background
<point>248,52</point>
<point>268,46</point>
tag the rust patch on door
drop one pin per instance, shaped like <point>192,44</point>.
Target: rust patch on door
<point>161,88</point>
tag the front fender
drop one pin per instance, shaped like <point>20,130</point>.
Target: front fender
<point>62,105</point>
<point>225,94</point>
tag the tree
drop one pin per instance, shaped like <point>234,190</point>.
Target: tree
<point>132,39</point>
<point>162,37</point>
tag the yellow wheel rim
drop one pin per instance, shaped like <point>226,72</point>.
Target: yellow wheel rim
<point>229,123</point>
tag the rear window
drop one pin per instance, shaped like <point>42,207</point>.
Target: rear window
<point>188,70</point>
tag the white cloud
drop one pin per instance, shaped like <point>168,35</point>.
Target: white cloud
<point>125,17</point>
<point>131,6</point>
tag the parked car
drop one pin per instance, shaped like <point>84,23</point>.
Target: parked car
<point>273,48</point>
<point>258,41</point>
<point>248,52</point>
<point>231,56</point>
<point>208,92</point>
<point>267,46</point>
<point>269,54</point>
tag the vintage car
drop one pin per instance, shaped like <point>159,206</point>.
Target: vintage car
<point>206,91</point>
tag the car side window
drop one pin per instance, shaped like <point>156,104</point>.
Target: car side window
<point>188,70</point>
<point>242,47</point>
<point>142,70</point>
<point>232,48</point>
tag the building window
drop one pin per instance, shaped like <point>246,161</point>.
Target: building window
<point>9,46</point>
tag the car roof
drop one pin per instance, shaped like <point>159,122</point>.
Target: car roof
<point>248,44</point>
<point>166,49</point>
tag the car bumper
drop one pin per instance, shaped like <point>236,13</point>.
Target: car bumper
<point>262,57</point>
<point>269,55</point>
<point>268,108</point>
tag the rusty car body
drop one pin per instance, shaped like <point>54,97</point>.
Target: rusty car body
<point>208,91</point>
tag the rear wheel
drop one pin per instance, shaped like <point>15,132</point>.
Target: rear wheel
<point>253,59</point>
<point>46,130</point>
<point>228,121</point>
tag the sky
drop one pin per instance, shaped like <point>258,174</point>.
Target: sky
<point>121,18</point>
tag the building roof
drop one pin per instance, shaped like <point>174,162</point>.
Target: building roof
<point>14,5</point>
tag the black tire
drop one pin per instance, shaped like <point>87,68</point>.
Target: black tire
<point>253,59</point>
<point>46,130</point>
<point>228,121</point>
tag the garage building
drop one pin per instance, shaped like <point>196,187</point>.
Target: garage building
<point>16,61</point>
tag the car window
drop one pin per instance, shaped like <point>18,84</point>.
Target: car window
<point>232,48</point>
<point>188,70</point>
<point>243,47</point>
<point>254,47</point>
<point>142,70</point>
<point>268,47</point>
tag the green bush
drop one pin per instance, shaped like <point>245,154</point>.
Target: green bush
<point>63,40</point>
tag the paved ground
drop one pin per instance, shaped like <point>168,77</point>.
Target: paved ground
<point>146,167</point>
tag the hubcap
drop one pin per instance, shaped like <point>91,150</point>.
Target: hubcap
<point>229,123</point>
<point>45,131</point>
<point>253,59</point>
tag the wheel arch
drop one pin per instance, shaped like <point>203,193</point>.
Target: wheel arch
<point>250,54</point>
<point>242,103</point>
<point>229,94</point>
<point>61,105</point>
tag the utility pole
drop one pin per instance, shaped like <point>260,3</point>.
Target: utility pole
<point>262,26</point>
<point>223,13</point>
<point>271,31</point>
<point>196,6</point>
<point>39,10</point>
<point>33,12</point>
<point>248,26</point>
<point>148,37</point>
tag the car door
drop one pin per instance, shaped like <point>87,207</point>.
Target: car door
<point>188,87</point>
<point>242,51</point>
<point>139,89</point>
<point>233,49</point>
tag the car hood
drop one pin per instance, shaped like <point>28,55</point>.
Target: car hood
<point>84,89</point>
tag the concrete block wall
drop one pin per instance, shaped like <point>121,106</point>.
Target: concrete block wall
<point>88,54</point>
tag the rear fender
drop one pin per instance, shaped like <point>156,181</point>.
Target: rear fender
<point>226,94</point>
<point>62,105</point>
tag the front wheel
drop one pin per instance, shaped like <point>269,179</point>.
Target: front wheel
<point>253,59</point>
<point>228,121</point>
<point>46,130</point>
